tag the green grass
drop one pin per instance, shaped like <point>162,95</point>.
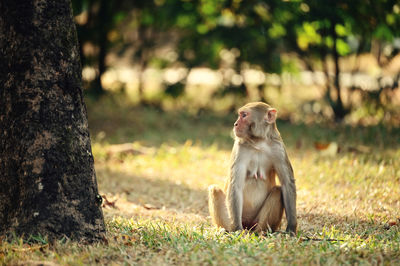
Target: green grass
<point>160,194</point>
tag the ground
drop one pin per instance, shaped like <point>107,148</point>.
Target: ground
<point>155,193</point>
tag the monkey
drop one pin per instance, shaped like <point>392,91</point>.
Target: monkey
<point>250,198</point>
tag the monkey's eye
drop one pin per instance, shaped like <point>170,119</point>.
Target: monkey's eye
<point>244,115</point>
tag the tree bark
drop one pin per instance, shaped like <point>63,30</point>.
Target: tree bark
<point>103,22</point>
<point>338,109</point>
<point>47,179</point>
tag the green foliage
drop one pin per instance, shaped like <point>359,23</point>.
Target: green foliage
<point>262,33</point>
<point>383,33</point>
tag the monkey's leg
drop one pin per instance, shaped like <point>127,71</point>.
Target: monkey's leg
<point>217,207</point>
<point>270,215</point>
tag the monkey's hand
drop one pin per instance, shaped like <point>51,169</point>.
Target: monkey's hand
<point>235,196</point>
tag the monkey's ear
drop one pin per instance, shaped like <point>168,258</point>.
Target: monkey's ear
<point>271,115</point>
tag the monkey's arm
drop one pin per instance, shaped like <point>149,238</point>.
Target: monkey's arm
<point>286,177</point>
<point>235,194</point>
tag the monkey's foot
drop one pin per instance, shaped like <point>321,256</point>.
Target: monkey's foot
<point>215,191</point>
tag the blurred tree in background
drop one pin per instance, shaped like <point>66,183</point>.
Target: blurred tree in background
<point>234,37</point>
<point>95,21</point>
<point>325,33</point>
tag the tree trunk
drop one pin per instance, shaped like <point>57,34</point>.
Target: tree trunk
<point>47,179</point>
<point>102,20</point>
<point>338,109</point>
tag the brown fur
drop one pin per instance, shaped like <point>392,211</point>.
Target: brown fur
<point>250,198</point>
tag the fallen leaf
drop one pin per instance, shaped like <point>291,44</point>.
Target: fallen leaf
<point>327,149</point>
<point>392,223</point>
<point>150,207</point>
<point>108,203</point>
<point>321,145</point>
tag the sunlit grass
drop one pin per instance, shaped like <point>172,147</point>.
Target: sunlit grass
<point>348,202</point>
<point>161,242</point>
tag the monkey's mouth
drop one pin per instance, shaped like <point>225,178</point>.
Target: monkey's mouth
<point>237,132</point>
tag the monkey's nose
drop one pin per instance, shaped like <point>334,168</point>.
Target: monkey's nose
<point>235,124</point>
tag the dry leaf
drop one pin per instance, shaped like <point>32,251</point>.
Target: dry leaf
<point>392,223</point>
<point>327,149</point>
<point>321,145</point>
<point>148,206</point>
<point>107,203</point>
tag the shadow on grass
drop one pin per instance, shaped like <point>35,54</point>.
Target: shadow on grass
<point>153,193</point>
<point>178,202</point>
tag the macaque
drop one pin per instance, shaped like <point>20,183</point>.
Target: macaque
<point>251,199</point>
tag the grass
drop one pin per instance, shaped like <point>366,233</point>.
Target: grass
<point>160,193</point>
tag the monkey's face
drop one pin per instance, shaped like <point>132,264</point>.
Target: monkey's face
<point>242,124</point>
